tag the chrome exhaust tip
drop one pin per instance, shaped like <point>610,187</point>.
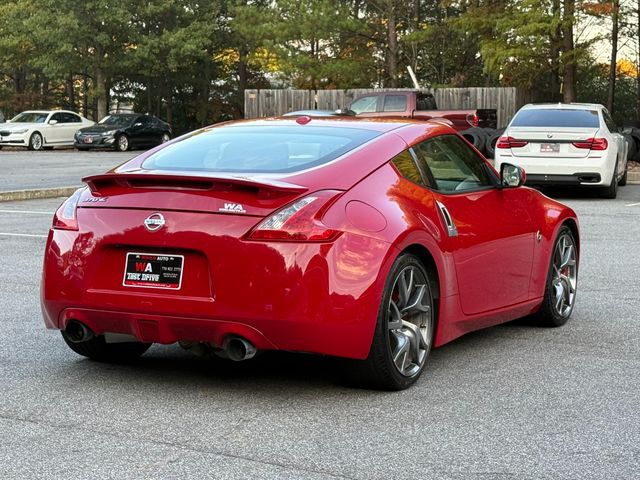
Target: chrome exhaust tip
<point>78,332</point>
<point>239,349</point>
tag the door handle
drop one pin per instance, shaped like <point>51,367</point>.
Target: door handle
<point>452,231</point>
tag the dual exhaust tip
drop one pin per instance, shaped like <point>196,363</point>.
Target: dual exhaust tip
<point>234,347</point>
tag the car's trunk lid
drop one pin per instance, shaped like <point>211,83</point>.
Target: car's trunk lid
<point>551,143</point>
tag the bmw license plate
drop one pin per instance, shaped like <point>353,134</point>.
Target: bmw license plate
<point>151,270</point>
<point>550,147</point>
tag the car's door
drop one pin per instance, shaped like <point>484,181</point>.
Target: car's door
<point>53,132</point>
<point>140,133</point>
<point>70,123</point>
<point>491,231</point>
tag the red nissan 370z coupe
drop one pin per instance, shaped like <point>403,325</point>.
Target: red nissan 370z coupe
<point>373,240</point>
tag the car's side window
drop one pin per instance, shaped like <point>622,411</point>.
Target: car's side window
<point>395,103</point>
<point>611,125</point>
<point>57,117</point>
<point>365,104</point>
<point>453,165</point>
<point>407,167</point>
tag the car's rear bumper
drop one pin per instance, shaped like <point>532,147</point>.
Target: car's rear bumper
<point>576,179</point>
<point>593,170</point>
<point>318,298</point>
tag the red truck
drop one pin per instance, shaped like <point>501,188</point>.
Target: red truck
<point>421,106</point>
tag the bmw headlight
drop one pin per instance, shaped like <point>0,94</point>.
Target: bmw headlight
<point>22,130</point>
<point>110,133</point>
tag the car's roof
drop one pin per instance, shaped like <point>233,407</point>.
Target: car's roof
<point>564,106</point>
<point>376,124</point>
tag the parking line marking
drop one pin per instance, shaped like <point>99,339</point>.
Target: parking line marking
<point>26,211</point>
<point>632,204</point>
<point>2,234</point>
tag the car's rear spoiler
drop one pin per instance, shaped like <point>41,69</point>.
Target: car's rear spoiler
<point>175,181</point>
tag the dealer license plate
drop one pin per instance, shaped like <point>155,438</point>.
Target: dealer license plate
<point>150,270</point>
<point>550,147</point>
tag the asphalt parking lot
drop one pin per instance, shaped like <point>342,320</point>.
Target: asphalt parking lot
<point>508,402</point>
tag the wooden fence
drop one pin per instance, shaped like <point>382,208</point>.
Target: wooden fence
<point>268,103</point>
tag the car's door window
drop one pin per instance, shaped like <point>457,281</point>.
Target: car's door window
<point>395,103</point>
<point>365,104</point>
<point>611,125</point>
<point>453,165</point>
<point>57,117</point>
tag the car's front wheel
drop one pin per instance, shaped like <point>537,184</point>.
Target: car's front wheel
<point>562,281</point>
<point>35,141</point>
<point>98,349</point>
<point>404,330</point>
<point>122,143</point>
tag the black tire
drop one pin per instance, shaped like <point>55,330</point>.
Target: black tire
<point>612,190</point>
<point>477,137</point>
<point>631,146</point>
<point>623,180</point>
<point>379,370</point>
<point>634,133</point>
<point>122,143</point>
<point>490,143</point>
<point>101,351</point>
<point>549,315</point>
<point>36,141</point>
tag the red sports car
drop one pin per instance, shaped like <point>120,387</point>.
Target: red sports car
<point>373,240</point>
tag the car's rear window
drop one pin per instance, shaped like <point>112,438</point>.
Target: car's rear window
<point>555,117</point>
<point>258,149</point>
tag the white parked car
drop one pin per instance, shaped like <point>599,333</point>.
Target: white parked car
<point>38,129</point>
<point>566,144</point>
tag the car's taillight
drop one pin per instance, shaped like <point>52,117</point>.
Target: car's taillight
<point>593,144</point>
<point>65,216</point>
<point>299,221</point>
<point>510,142</point>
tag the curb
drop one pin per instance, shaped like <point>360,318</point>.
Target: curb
<point>633,178</point>
<point>36,193</point>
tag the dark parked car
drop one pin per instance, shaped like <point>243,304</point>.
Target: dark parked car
<point>124,131</point>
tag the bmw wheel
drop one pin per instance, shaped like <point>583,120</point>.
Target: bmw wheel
<point>122,143</point>
<point>35,141</point>
<point>404,330</point>
<point>562,281</point>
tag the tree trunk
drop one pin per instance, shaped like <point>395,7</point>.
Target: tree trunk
<point>556,39</point>
<point>392,49</point>
<point>169,104</point>
<point>638,66</point>
<point>100,94</point>
<point>85,93</point>
<point>71,93</point>
<point>568,53</point>
<point>614,56</point>
<point>242,78</point>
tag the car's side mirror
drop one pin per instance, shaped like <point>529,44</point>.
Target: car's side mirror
<point>53,122</point>
<point>511,176</point>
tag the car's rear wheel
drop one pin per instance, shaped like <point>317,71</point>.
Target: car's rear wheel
<point>404,330</point>
<point>98,349</point>
<point>122,143</point>
<point>623,180</point>
<point>562,281</point>
<point>612,190</point>
<point>35,141</point>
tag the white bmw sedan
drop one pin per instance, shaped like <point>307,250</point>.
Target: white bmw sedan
<point>566,144</point>
<point>38,129</point>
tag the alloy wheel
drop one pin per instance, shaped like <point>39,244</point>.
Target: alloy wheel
<point>410,320</point>
<point>564,276</point>
<point>123,143</point>
<point>36,141</point>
